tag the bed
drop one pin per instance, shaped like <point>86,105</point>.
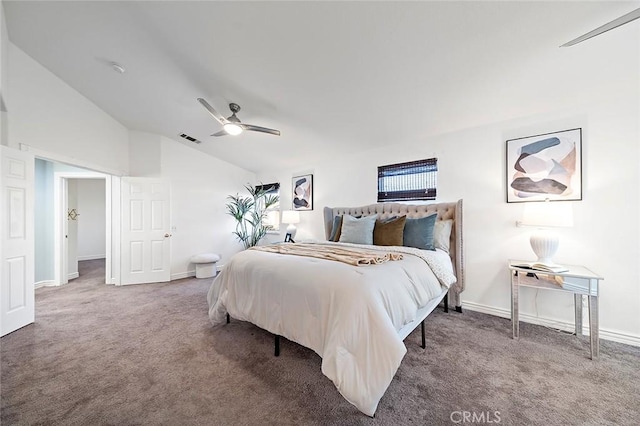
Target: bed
<point>354,317</point>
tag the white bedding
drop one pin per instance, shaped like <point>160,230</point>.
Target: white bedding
<point>349,315</point>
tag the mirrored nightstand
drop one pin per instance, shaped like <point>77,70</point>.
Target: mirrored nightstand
<point>577,280</point>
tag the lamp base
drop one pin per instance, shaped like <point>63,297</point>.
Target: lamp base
<point>291,229</point>
<point>544,244</point>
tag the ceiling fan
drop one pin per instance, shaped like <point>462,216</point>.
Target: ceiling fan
<point>624,19</point>
<point>232,124</point>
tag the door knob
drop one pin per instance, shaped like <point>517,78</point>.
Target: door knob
<point>167,235</point>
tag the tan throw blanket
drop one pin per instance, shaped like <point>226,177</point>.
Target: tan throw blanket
<point>350,255</point>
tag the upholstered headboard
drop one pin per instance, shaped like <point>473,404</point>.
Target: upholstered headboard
<point>414,211</point>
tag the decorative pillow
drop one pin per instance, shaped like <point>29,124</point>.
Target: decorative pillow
<point>418,233</point>
<point>335,230</point>
<point>357,231</point>
<point>389,232</point>
<point>442,234</point>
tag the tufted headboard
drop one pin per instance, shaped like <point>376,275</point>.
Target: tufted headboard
<point>414,211</point>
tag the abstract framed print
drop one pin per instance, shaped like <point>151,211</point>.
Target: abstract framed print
<point>302,197</point>
<point>545,167</point>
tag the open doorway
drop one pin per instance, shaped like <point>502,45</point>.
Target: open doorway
<point>86,225</point>
<point>73,221</point>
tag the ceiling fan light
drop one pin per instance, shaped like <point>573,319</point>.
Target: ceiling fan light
<point>232,129</point>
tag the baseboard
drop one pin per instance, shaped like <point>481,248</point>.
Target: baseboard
<point>615,336</point>
<point>73,276</point>
<point>45,283</point>
<point>188,274</point>
<point>181,275</point>
<point>91,257</point>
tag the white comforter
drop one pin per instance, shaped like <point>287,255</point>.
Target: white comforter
<point>349,315</point>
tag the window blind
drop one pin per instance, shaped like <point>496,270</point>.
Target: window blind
<point>269,188</point>
<point>414,180</point>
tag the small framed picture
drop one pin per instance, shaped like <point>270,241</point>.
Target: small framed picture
<point>302,197</point>
<point>288,239</point>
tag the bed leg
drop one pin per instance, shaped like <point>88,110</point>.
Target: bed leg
<point>424,343</point>
<point>277,350</point>
<point>446,302</point>
<point>228,319</point>
<point>459,309</point>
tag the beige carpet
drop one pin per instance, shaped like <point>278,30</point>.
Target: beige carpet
<point>147,355</point>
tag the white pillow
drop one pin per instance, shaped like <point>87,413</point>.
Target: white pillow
<point>357,231</point>
<point>442,234</point>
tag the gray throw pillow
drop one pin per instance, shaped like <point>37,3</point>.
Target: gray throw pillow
<point>418,233</point>
<point>357,231</point>
<point>335,229</point>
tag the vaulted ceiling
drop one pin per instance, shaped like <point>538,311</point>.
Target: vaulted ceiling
<point>332,76</point>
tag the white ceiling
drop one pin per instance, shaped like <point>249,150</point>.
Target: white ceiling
<point>332,76</point>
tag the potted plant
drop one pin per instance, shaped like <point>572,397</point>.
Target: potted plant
<point>249,213</point>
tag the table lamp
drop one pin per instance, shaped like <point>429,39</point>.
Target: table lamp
<point>546,216</point>
<point>291,217</point>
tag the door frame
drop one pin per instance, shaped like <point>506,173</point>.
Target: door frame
<point>60,197</point>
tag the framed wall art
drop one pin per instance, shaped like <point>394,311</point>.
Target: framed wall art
<point>302,197</point>
<point>545,167</point>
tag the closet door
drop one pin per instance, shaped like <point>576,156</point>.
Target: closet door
<point>146,236</point>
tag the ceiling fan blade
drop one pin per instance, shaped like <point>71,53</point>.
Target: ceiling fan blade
<point>260,129</point>
<point>220,118</point>
<point>220,133</point>
<point>631,16</point>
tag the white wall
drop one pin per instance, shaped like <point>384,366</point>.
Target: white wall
<point>199,187</point>
<point>595,86</point>
<point>145,151</point>
<point>43,204</point>
<point>51,117</point>
<point>4,54</point>
<point>91,222</point>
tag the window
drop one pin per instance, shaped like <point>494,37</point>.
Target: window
<point>273,213</point>
<point>415,180</point>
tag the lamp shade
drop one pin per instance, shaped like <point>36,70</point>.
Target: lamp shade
<point>290,216</point>
<point>548,214</point>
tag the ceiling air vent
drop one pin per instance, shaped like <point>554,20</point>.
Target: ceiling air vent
<point>189,138</point>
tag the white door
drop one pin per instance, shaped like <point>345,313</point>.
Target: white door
<point>17,294</point>
<point>146,236</point>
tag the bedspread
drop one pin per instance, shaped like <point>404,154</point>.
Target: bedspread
<point>352,256</point>
<point>349,315</point>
